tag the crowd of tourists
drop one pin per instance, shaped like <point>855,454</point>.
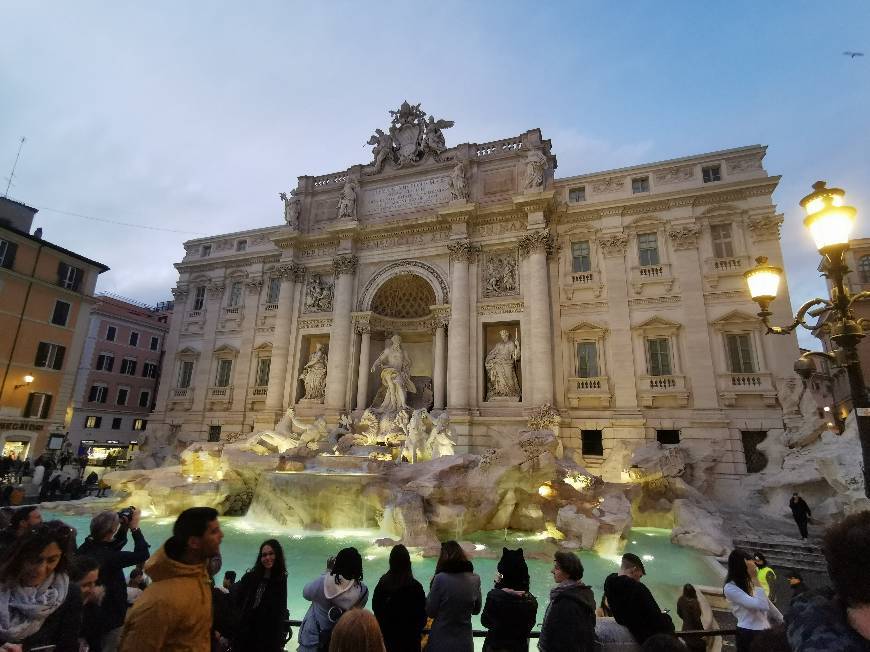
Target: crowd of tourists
<point>56,596</point>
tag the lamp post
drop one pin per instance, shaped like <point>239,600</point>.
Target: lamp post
<point>830,222</point>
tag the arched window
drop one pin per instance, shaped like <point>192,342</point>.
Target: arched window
<point>864,269</point>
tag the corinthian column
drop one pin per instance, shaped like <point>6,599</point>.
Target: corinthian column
<point>458,350</point>
<point>362,388</point>
<point>344,268</point>
<point>534,248</point>
<point>291,273</point>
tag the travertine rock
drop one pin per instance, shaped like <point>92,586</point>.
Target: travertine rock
<point>698,528</point>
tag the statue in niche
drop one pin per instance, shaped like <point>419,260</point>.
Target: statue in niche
<point>314,374</point>
<point>536,163</point>
<point>347,200</point>
<point>318,295</point>
<point>440,441</point>
<point>394,367</point>
<point>501,374</point>
<point>292,208</point>
<point>458,183</point>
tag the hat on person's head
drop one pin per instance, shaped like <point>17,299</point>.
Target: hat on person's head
<point>633,560</point>
<point>514,570</point>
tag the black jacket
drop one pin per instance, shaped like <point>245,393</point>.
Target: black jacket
<point>799,509</point>
<point>634,607</point>
<point>61,628</point>
<point>113,560</point>
<point>401,613</point>
<point>817,622</point>
<point>569,622</point>
<point>260,628</point>
<point>509,616</point>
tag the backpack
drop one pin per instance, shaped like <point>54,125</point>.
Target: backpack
<point>324,636</point>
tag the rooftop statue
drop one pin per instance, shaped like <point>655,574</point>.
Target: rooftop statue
<point>411,137</point>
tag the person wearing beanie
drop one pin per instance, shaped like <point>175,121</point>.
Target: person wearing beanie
<point>510,610</point>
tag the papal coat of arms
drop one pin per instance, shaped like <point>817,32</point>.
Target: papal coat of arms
<point>412,137</point>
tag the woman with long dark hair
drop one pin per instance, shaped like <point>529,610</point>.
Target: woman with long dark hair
<point>689,609</point>
<point>454,595</point>
<point>39,605</point>
<point>748,601</point>
<point>261,600</point>
<point>399,603</point>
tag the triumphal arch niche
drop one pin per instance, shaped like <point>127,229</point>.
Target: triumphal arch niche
<point>425,282</point>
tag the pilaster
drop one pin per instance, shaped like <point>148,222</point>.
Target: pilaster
<point>337,371</point>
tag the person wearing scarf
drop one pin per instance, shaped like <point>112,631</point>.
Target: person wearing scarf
<point>454,595</point>
<point>569,622</point>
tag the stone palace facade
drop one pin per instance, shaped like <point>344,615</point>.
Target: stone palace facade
<point>616,297</point>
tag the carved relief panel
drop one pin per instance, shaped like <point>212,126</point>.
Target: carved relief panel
<point>500,273</point>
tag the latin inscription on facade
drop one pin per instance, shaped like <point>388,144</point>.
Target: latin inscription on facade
<point>406,196</point>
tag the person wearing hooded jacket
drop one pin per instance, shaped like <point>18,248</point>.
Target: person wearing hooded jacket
<point>569,621</point>
<point>510,610</point>
<point>454,595</point>
<point>338,589</point>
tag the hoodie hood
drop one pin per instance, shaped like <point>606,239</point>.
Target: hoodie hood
<point>160,566</point>
<point>576,591</point>
<point>342,592</point>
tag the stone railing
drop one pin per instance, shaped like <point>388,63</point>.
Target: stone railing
<point>732,265</point>
<point>330,179</point>
<point>746,383</point>
<point>257,392</point>
<point>589,392</point>
<point>663,384</point>
<point>270,307</point>
<point>499,146</point>
<point>582,278</point>
<point>194,314</point>
<point>220,393</point>
<point>651,271</point>
<point>182,393</point>
<point>231,311</point>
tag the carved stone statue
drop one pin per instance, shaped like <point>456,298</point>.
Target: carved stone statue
<point>415,435</point>
<point>536,163</point>
<point>501,375</point>
<point>458,183</point>
<point>501,275</point>
<point>434,140</point>
<point>394,367</point>
<point>318,295</point>
<point>440,441</point>
<point>347,200</point>
<point>292,208</point>
<point>382,150</point>
<point>314,374</point>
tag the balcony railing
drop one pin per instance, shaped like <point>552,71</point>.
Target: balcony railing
<point>194,314</point>
<point>589,391</point>
<point>746,383</point>
<point>220,393</point>
<point>231,311</point>
<point>652,386</point>
<point>731,266</point>
<point>647,274</point>
<point>270,307</point>
<point>182,393</point>
<point>583,278</point>
<point>258,392</point>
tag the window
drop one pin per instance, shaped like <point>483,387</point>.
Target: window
<point>587,359</point>
<point>98,394</point>
<point>235,294</point>
<point>205,251</point>
<point>214,433</point>
<point>134,338</point>
<point>60,315</point>
<point>7,253</point>
<point>144,398</point>
<point>711,173</point>
<point>864,269</point>
<point>69,277</point>
<point>49,356</point>
<point>668,437</point>
<point>581,261</point>
<point>93,422</point>
<point>111,333</point>
<point>658,353</point>
<point>155,342</point>
<point>139,424</point>
<point>149,370</point>
<point>648,249</point>
<point>591,442</point>
<point>756,460</point>
<point>199,298</point>
<point>105,362</point>
<point>263,366</point>
<point>275,289</point>
<point>123,393</point>
<point>185,373</point>
<point>38,405</point>
<point>116,423</point>
<point>740,355</point>
<point>577,194</point>
<point>128,366</point>
<point>640,184</point>
<point>241,245</point>
<point>723,247</point>
<point>225,366</point>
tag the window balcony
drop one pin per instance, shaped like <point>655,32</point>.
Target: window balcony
<point>194,315</point>
<point>589,392</point>
<point>716,269</point>
<point>220,393</point>
<point>652,275</point>
<point>271,307</point>
<point>257,393</point>
<point>581,284</point>
<point>732,386</point>
<point>181,398</point>
<point>651,390</point>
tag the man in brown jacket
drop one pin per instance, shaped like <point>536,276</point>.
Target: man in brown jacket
<point>174,613</point>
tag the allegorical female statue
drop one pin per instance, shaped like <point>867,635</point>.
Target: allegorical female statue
<point>314,374</point>
<point>501,374</point>
<point>394,366</point>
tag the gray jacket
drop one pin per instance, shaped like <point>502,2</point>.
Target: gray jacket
<point>453,598</point>
<point>324,594</point>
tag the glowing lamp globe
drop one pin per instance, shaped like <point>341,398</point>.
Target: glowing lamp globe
<point>828,219</point>
<point>763,280</point>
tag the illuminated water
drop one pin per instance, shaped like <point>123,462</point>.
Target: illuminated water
<point>668,566</point>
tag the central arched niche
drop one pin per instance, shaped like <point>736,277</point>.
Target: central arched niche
<point>404,296</point>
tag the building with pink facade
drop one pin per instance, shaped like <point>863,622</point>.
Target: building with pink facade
<point>117,379</point>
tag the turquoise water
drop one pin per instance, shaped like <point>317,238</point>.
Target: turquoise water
<point>668,566</point>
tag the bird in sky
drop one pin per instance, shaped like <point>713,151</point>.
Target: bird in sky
<point>849,53</point>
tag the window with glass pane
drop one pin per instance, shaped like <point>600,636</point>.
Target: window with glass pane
<point>711,173</point>
<point>185,373</point>
<point>640,184</point>
<point>587,360</point>
<point>864,269</point>
<point>580,259</point>
<point>577,194</point>
<point>648,249</point>
<point>223,373</point>
<point>740,354</point>
<point>263,366</point>
<point>274,290</point>
<point>658,351</point>
<point>199,298</point>
<point>723,247</point>
<point>235,294</point>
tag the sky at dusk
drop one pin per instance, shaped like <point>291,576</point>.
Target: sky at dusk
<point>191,117</point>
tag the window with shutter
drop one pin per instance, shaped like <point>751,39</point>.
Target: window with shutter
<point>123,392</point>
<point>580,259</point>
<point>69,277</point>
<point>263,366</point>
<point>116,423</point>
<point>155,342</point>
<point>144,398</point>
<point>274,290</point>
<point>111,333</point>
<point>38,405</point>
<point>199,298</point>
<point>223,375</point>
<point>185,373</point>
<point>60,315</point>
<point>7,253</point>
<point>648,249</point>
<point>587,360</point>
<point>740,354</point>
<point>42,355</point>
<point>658,356</point>
<point>723,246</point>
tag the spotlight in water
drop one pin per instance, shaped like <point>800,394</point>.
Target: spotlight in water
<point>479,547</point>
<point>634,543</point>
<point>370,557</point>
<point>546,491</point>
<point>189,479</point>
<point>647,557</point>
<point>297,537</point>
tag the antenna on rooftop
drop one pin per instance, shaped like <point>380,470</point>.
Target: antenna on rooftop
<point>14,165</point>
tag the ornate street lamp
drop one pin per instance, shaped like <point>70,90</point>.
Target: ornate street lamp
<point>830,223</point>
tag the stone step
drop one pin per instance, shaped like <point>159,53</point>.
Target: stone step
<point>785,554</point>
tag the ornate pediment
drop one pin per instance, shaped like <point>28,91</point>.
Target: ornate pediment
<point>411,139</point>
<point>736,319</point>
<point>187,352</point>
<point>226,349</point>
<point>263,347</point>
<point>586,327</point>
<point>657,324</point>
